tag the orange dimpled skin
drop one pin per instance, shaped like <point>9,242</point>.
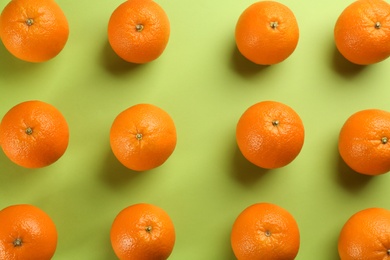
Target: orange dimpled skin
<point>366,235</point>
<point>362,32</point>
<point>142,232</point>
<point>267,33</point>
<point>143,137</point>
<point>270,134</point>
<point>138,31</point>
<point>34,30</point>
<point>363,142</point>
<point>34,134</point>
<point>265,231</point>
<point>26,232</point>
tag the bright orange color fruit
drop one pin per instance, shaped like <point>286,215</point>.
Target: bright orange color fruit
<point>138,31</point>
<point>267,32</point>
<point>270,134</point>
<point>265,231</point>
<point>364,143</point>
<point>34,30</point>
<point>26,232</point>
<point>366,235</point>
<point>34,134</point>
<point>143,137</point>
<point>362,32</point>
<point>141,232</point>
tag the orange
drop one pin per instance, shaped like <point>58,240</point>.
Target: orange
<point>34,134</point>
<point>267,33</point>
<point>142,232</point>
<point>362,32</point>
<point>265,231</point>
<point>138,31</point>
<point>270,134</point>
<point>26,232</point>
<point>143,137</point>
<point>34,30</point>
<point>363,142</point>
<point>366,235</point>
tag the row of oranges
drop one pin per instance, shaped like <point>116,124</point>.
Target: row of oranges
<point>138,31</point>
<point>146,231</point>
<point>269,134</point>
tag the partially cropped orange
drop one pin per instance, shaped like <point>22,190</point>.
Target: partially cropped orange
<point>270,134</point>
<point>138,31</point>
<point>34,134</point>
<point>265,231</point>
<point>267,32</point>
<point>366,235</point>
<point>34,30</point>
<point>364,143</point>
<point>143,232</point>
<point>143,137</point>
<point>26,232</point>
<point>362,32</point>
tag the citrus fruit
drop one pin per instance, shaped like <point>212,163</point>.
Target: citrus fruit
<point>34,30</point>
<point>26,232</point>
<point>366,235</point>
<point>270,134</point>
<point>138,31</point>
<point>265,231</point>
<point>363,142</point>
<point>267,32</point>
<point>34,134</point>
<point>362,32</point>
<point>143,137</point>
<point>141,232</point>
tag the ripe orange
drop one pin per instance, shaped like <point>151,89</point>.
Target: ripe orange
<point>34,30</point>
<point>265,231</point>
<point>366,235</point>
<point>270,134</point>
<point>34,134</point>
<point>143,137</point>
<point>26,232</point>
<point>141,232</point>
<point>138,31</point>
<point>267,32</point>
<point>363,142</point>
<point>362,32</point>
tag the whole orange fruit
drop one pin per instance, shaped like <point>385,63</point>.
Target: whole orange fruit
<point>265,231</point>
<point>362,32</point>
<point>34,134</point>
<point>138,31</point>
<point>366,235</point>
<point>143,137</point>
<point>363,141</point>
<point>267,32</point>
<point>270,134</point>
<point>141,232</point>
<point>26,232</point>
<point>34,30</point>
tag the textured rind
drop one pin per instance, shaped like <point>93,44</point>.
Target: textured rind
<point>360,142</point>
<point>355,34</point>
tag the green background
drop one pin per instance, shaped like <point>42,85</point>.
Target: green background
<point>203,82</point>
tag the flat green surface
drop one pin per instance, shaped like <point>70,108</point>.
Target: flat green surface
<point>205,85</point>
